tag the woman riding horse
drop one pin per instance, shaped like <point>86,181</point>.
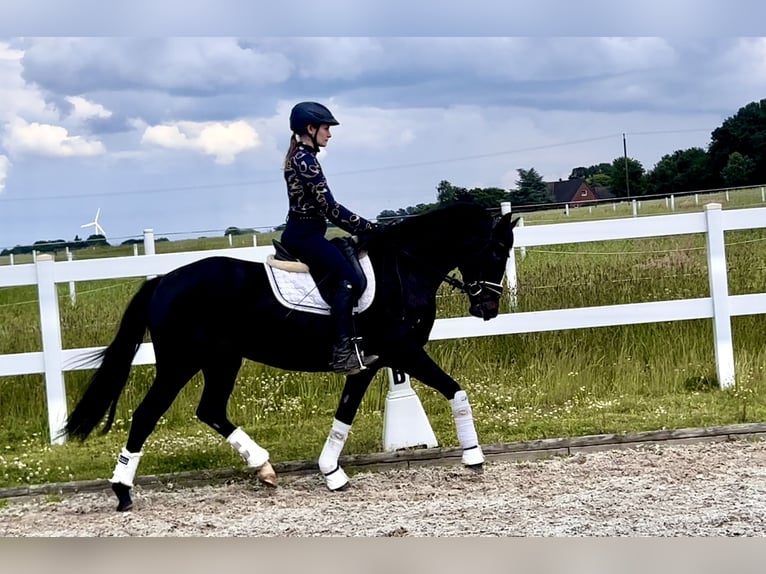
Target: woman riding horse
<point>311,205</point>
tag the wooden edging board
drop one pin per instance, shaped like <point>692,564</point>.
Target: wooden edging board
<point>407,458</point>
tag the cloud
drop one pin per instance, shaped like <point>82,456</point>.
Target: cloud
<point>178,65</point>
<point>83,109</point>
<point>48,140</point>
<point>17,97</point>
<point>374,128</point>
<point>221,140</point>
<point>5,166</point>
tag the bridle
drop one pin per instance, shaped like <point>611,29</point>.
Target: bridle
<point>473,288</point>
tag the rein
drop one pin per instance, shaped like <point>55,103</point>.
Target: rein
<point>472,289</point>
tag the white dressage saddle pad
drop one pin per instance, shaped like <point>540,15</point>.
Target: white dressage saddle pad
<point>295,288</point>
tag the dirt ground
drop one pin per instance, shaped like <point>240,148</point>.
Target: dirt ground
<point>702,489</point>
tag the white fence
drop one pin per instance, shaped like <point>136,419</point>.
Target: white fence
<point>53,361</point>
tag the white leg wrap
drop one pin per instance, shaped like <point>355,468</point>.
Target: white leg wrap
<point>125,470</point>
<point>336,480</point>
<point>254,455</point>
<point>466,431</point>
<point>328,460</point>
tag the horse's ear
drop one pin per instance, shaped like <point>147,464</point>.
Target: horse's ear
<point>506,222</point>
<point>504,228</point>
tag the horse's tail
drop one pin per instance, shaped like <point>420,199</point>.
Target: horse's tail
<point>110,378</point>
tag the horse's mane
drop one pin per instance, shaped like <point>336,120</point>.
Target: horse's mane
<point>448,226</point>
<point>452,219</point>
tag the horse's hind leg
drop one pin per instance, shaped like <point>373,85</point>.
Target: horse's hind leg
<point>168,382</point>
<point>220,377</point>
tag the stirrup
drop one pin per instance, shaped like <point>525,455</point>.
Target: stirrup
<point>352,364</point>
<point>355,362</point>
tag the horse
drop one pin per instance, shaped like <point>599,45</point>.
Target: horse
<point>211,314</point>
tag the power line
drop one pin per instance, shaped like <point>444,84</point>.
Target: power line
<point>248,183</point>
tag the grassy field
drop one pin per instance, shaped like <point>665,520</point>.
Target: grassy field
<point>566,383</point>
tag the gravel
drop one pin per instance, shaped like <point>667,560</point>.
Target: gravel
<point>701,489</point>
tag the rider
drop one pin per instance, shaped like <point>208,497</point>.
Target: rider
<point>311,205</point>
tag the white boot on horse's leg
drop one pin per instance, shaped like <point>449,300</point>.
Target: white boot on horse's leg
<point>254,455</point>
<point>122,479</point>
<point>335,477</point>
<point>473,457</point>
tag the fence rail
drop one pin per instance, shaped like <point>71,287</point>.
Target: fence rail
<point>53,361</point>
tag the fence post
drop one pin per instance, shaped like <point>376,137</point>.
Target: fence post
<point>510,266</point>
<point>149,242</point>
<point>719,294</point>
<point>522,250</point>
<point>50,327</point>
<point>149,245</point>
<point>672,203</point>
<point>566,209</point>
<point>696,199</point>
<point>72,291</point>
<point>763,194</point>
<point>255,240</point>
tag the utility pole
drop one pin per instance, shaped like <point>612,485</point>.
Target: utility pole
<point>625,155</point>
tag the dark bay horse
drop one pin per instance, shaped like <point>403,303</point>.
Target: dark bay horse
<point>209,315</point>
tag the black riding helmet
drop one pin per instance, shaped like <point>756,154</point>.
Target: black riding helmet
<point>305,114</point>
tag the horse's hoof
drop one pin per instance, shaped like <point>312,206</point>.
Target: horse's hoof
<point>267,475</point>
<point>473,457</point>
<point>123,496</point>
<point>337,480</point>
<point>476,468</point>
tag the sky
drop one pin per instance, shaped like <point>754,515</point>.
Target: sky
<point>184,131</point>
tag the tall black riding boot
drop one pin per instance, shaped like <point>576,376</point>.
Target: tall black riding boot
<point>347,358</point>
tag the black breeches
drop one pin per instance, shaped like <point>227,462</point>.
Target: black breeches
<point>327,264</point>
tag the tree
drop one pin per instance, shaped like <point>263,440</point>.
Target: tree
<point>636,177</point>
<point>447,193</point>
<point>683,170</point>
<point>530,188</point>
<point>744,132</point>
<point>579,173</point>
<point>49,245</point>
<point>488,196</point>
<point>738,170</point>
<point>96,240</point>
<point>587,173</point>
<point>232,230</point>
<point>388,216</point>
<point>599,180</point>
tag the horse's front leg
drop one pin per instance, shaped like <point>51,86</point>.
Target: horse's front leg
<point>351,398</point>
<point>418,364</point>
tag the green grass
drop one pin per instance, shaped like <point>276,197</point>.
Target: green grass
<point>522,387</point>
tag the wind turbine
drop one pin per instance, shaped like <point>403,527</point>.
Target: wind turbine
<point>96,227</point>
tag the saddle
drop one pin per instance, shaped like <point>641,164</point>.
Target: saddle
<point>295,286</point>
